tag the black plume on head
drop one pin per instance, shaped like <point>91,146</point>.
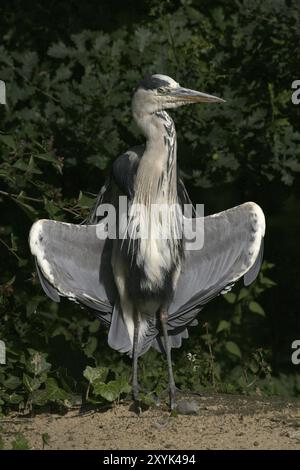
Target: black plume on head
<point>151,83</point>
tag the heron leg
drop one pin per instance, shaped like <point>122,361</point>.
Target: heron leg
<point>167,344</point>
<point>135,385</point>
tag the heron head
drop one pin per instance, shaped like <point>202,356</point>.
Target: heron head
<point>158,92</point>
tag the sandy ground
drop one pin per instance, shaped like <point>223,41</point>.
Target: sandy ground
<point>218,422</point>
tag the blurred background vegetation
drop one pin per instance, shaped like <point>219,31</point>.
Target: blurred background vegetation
<point>70,69</point>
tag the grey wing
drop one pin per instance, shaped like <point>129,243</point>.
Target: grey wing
<point>125,168</point>
<point>73,262</point>
<point>120,181</point>
<point>232,249</point>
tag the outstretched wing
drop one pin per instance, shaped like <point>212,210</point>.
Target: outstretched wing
<point>73,262</point>
<point>233,245</point>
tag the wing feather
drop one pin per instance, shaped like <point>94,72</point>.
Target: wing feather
<point>232,249</point>
<point>73,262</point>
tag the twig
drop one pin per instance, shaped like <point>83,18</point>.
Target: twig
<point>18,196</point>
<point>10,249</point>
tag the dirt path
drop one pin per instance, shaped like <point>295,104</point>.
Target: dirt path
<point>220,422</point>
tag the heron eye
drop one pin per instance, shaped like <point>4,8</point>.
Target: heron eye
<point>162,90</point>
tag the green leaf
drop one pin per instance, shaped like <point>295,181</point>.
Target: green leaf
<point>223,325</point>
<point>48,157</point>
<point>266,281</point>
<point>230,297</point>
<point>39,397</point>
<point>51,208</point>
<point>94,326</point>
<point>233,348</point>
<point>45,439</point>
<point>253,366</point>
<point>256,308</point>
<point>93,374</point>
<point>85,201</point>
<point>109,391</point>
<point>58,50</point>
<point>21,165</point>
<point>91,346</point>
<point>37,363</point>
<point>32,168</point>
<point>31,383</point>
<point>14,399</point>
<point>122,384</point>
<point>54,392</point>
<point>113,389</point>
<point>12,382</point>
<point>9,141</point>
<point>243,293</point>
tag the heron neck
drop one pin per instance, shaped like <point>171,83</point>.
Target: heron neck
<point>157,173</point>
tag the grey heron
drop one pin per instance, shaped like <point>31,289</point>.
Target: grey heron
<point>149,290</point>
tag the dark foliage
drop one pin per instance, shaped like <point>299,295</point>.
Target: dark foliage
<point>70,69</point>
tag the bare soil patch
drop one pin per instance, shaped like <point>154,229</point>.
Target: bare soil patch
<point>220,422</point>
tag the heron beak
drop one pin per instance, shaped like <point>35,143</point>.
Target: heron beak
<point>192,96</point>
